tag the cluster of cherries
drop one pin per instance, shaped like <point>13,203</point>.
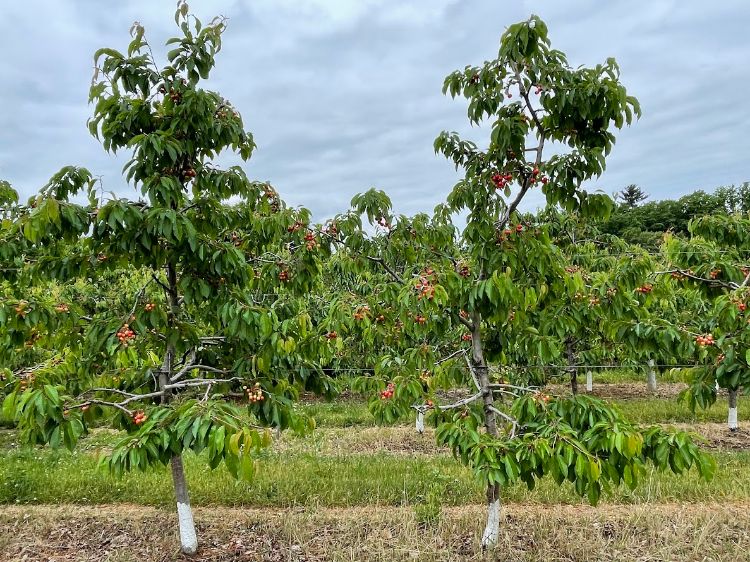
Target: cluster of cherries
<point>384,223</point>
<point>702,341</point>
<point>25,382</point>
<point>714,273</point>
<point>62,307</point>
<point>464,271</point>
<point>388,392</point>
<point>284,276</point>
<point>149,306</point>
<point>21,309</point>
<point>425,288</point>
<point>507,232</point>
<point>332,335</point>
<point>380,318</point>
<point>310,242</point>
<point>501,180</point>
<point>139,417</point>
<point>541,397</point>
<point>420,319</point>
<point>466,337</point>
<point>125,335</point>
<point>295,227</point>
<point>254,394</point>
<point>645,289</point>
<point>361,312</point>
<point>741,306</point>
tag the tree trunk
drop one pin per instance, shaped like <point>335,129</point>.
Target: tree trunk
<point>420,421</point>
<point>188,537</point>
<point>732,418</point>
<point>492,529</point>
<point>589,381</point>
<point>491,532</point>
<point>571,356</point>
<point>651,380</point>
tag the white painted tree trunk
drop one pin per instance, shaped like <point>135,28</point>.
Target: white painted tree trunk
<point>188,537</point>
<point>420,421</point>
<point>651,381</point>
<point>492,529</point>
<point>732,418</point>
<point>589,381</point>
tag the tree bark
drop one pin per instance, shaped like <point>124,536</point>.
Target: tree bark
<point>492,529</point>
<point>651,380</point>
<point>732,418</point>
<point>188,536</point>
<point>571,357</point>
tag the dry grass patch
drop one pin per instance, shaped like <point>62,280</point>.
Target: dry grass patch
<point>706,532</point>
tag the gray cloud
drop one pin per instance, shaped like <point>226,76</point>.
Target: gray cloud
<point>342,96</point>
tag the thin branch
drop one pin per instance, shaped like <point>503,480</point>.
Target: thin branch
<point>395,276</point>
<point>507,418</point>
<point>201,382</point>
<point>451,356</point>
<point>462,402</point>
<point>198,366</point>
<point>712,282</point>
<point>473,374</point>
<point>466,322</point>
<point>163,286</point>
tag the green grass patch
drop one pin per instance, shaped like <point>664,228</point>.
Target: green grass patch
<point>661,410</point>
<point>309,479</point>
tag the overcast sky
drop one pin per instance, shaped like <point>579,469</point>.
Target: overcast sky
<point>344,95</point>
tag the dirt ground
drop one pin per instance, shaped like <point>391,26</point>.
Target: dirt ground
<point>123,533</point>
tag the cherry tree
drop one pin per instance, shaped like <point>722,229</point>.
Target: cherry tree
<point>490,281</point>
<point>714,264</point>
<point>217,264</point>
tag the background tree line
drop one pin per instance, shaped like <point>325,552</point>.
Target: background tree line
<point>645,223</point>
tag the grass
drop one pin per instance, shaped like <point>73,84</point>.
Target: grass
<point>655,410</point>
<point>335,468</point>
<point>645,410</point>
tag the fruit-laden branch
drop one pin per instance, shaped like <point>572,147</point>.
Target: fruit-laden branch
<point>130,397</point>
<point>711,282</point>
<point>465,322</point>
<point>528,179</point>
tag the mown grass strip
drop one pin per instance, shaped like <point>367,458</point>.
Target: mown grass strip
<point>309,479</point>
